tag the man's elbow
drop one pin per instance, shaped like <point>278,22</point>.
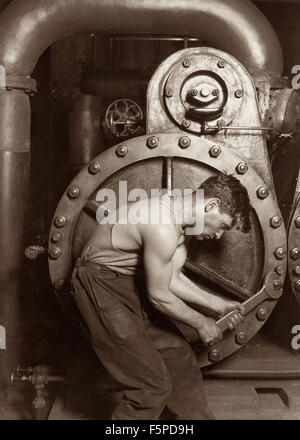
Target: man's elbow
<point>159,301</point>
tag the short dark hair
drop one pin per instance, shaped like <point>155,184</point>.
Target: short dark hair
<point>233,196</point>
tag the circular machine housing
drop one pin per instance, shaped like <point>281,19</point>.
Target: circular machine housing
<point>237,263</point>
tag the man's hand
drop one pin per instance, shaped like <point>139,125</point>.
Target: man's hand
<point>230,306</point>
<point>209,332</point>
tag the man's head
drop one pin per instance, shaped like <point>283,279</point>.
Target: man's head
<point>226,204</point>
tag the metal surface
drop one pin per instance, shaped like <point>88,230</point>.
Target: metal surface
<point>131,167</point>
<point>239,112</point>
<point>85,138</point>
<point>30,26</point>
<point>293,256</point>
<point>14,187</point>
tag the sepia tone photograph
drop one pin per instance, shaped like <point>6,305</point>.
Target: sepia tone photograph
<point>149,212</point>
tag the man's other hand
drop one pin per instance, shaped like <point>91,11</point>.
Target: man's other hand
<point>209,332</point>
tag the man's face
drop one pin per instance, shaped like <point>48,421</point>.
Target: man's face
<point>215,222</point>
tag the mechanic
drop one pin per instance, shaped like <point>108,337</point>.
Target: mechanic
<point>130,290</point>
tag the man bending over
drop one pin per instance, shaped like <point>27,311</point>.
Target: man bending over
<point>129,288</point>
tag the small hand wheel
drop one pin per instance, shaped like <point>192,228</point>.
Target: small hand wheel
<point>123,118</point>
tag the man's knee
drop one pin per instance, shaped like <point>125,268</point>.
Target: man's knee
<point>159,393</point>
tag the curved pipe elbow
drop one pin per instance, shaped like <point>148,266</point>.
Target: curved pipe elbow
<point>28,27</point>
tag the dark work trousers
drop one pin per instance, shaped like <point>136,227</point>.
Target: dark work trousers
<point>142,350</point>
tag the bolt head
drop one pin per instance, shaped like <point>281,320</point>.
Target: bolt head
<point>56,236</point>
<point>60,221</point>
<point>296,270</point>
<point>169,92</point>
<point>214,355</point>
<point>297,222</point>
<point>186,123</point>
<point>280,253</point>
<point>55,253</point>
<point>277,284</point>
<point>186,63</point>
<point>204,92</point>
<point>215,151</point>
<point>275,221</point>
<point>262,192</point>
<point>238,93</point>
<point>122,150</point>
<point>295,253</point>
<point>297,285</point>
<point>194,92</point>
<point>59,284</point>
<point>241,168</point>
<point>73,192</point>
<point>152,142</point>
<point>94,167</point>
<point>184,142</point>
<point>279,270</point>
<point>31,253</point>
<point>241,338</point>
<point>261,314</point>
<point>221,64</point>
<point>215,92</point>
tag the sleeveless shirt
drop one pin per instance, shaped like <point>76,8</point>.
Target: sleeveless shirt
<point>100,249</point>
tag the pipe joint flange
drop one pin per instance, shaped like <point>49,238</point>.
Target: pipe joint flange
<point>19,82</point>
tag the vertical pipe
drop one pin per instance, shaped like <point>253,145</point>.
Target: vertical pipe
<point>14,190</point>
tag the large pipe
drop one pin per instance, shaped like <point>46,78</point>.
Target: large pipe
<point>27,28</point>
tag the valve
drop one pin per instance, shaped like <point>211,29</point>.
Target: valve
<point>123,118</point>
<point>33,251</point>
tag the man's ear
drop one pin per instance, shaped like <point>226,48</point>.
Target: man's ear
<point>212,203</point>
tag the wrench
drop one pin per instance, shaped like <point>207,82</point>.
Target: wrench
<point>268,291</point>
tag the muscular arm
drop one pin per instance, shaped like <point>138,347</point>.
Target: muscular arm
<point>188,291</point>
<point>159,244</point>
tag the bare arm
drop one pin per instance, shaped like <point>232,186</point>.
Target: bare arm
<point>159,244</point>
<point>188,291</point>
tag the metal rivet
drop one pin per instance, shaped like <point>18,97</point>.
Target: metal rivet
<point>122,150</point>
<point>59,284</point>
<point>238,93</point>
<point>215,151</point>
<point>214,355</point>
<point>55,253</point>
<point>60,221</point>
<point>295,253</point>
<point>152,142</point>
<point>279,270</point>
<point>194,92</point>
<point>94,167</point>
<point>241,338</point>
<point>184,142</point>
<point>73,192</point>
<point>261,314</point>
<point>221,64</point>
<point>277,284</point>
<point>169,92</point>
<point>296,270</point>
<point>262,192</point>
<point>297,285</point>
<point>275,221</point>
<point>280,253</point>
<point>186,63</point>
<point>215,92</point>
<point>186,123</point>
<point>56,236</point>
<point>241,168</point>
<point>297,222</point>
